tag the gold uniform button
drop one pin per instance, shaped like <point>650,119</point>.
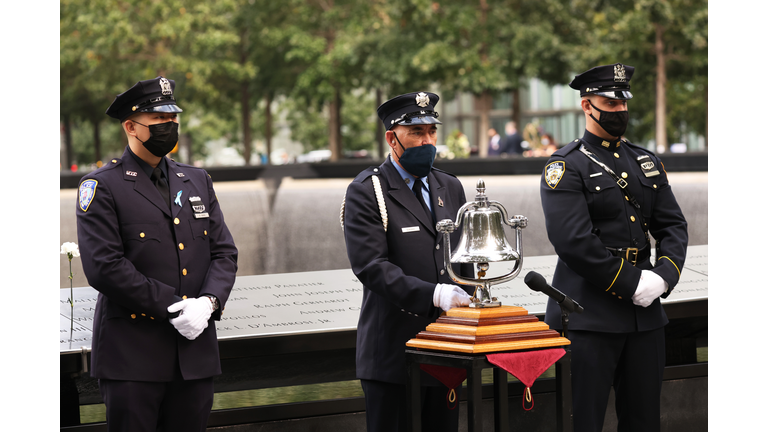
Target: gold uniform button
<point>184,297</point>
<point>114,160</point>
<point>151,317</point>
<point>613,293</point>
<point>184,272</point>
<point>133,316</point>
<point>626,197</point>
<point>141,235</point>
<point>619,297</point>
<point>176,221</point>
<point>616,155</point>
<point>654,186</point>
<point>632,218</point>
<point>597,188</point>
<point>143,314</point>
<point>205,232</point>
<point>181,246</point>
<point>624,175</point>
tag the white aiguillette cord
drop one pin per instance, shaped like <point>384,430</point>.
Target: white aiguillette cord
<point>379,200</point>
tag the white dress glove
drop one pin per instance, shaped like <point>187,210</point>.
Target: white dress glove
<point>448,296</point>
<point>194,316</point>
<point>650,287</point>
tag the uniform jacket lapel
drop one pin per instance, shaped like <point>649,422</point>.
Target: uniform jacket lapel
<point>142,183</point>
<point>178,181</point>
<point>403,195</point>
<point>437,193</point>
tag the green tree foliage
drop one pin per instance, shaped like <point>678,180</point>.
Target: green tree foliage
<point>666,42</point>
<point>336,60</point>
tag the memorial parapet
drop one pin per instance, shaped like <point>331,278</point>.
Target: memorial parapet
<point>329,301</point>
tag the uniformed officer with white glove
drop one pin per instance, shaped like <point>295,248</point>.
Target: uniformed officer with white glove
<point>605,200</point>
<point>389,220</point>
<point>153,242</point>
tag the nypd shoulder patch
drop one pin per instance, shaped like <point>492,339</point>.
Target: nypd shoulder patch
<point>554,172</point>
<point>86,194</point>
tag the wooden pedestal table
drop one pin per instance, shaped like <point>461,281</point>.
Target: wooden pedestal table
<point>462,338</point>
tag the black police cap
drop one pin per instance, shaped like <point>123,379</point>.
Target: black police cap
<point>154,95</point>
<point>409,109</point>
<point>611,81</point>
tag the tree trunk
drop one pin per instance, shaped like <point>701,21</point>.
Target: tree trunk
<point>661,91</point>
<point>334,125</point>
<point>68,142</point>
<point>245,110</point>
<point>96,140</point>
<point>484,107</point>
<point>268,125</point>
<point>516,107</point>
<point>379,129</point>
<point>185,144</point>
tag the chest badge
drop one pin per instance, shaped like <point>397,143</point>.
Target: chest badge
<point>647,165</point>
<point>86,194</point>
<point>198,207</point>
<point>553,173</point>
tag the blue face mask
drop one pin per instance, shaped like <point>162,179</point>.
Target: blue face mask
<point>417,160</point>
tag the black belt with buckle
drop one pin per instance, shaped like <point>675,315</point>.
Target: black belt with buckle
<point>633,255</point>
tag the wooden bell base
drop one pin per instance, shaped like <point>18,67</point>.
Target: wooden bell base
<point>486,330</point>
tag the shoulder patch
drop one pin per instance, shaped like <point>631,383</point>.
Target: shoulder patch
<point>553,172</point>
<point>86,193</point>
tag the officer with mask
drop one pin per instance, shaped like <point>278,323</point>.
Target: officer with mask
<point>389,219</point>
<point>605,200</point>
<point>153,242</point>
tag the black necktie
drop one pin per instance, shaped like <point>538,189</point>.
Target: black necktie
<point>162,186</point>
<point>417,186</point>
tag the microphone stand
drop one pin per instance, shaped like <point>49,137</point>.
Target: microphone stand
<point>566,307</point>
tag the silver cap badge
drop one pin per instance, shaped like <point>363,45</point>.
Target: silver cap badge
<point>619,74</point>
<point>422,99</point>
<point>165,86</point>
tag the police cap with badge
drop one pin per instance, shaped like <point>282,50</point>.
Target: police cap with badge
<point>154,95</point>
<point>611,81</point>
<point>410,109</point>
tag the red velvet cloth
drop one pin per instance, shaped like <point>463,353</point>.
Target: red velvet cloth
<point>524,365</point>
<point>450,376</point>
<point>527,366</point>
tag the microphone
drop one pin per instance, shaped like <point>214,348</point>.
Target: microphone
<point>537,282</point>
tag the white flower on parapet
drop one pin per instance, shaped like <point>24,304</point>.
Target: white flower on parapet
<point>70,248</point>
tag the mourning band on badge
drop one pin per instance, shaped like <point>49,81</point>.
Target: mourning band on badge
<point>198,207</point>
<point>553,173</point>
<point>86,193</point>
<point>647,165</point>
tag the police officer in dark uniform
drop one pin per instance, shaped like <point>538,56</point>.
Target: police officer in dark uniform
<point>153,242</point>
<point>603,199</point>
<point>389,219</point>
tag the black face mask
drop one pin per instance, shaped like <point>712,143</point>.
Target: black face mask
<point>417,160</point>
<point>613,122</point>
<point>162,137</point>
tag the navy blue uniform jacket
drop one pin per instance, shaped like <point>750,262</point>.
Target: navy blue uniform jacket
<point>398,268</point>
<point>586,212</point>
<point>143,257</point>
